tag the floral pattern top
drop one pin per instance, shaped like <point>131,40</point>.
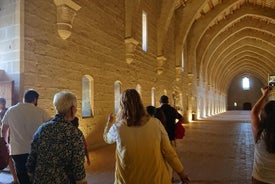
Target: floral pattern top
<point>57,153</point>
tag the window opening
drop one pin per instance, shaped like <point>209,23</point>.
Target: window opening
<point>144,31</point>
<point>182,60</point>
<point>138,88</point>
<point>117,91</point>
<point>153,96</point>
<point>246,83</point>
<point>87,96</point>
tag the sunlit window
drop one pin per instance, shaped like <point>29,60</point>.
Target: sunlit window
<point>117,91</point>
<point>182,60</point>
<point>153,96</point>
<point>87,96</point>
<point>138,88</point>
<point>246,83</point>
<point>144,31</point>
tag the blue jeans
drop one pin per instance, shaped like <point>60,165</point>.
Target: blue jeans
<point>20,167</point>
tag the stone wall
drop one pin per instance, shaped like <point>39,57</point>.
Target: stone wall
<point>95,48</point>
<point>10,17</point>
<point>237,94</point>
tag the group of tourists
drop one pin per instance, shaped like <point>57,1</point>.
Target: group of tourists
<point>145,141</point>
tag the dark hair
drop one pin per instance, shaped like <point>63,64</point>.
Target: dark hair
<point>151,110</point>
<point>30,95</point>
<point>267,126</point>
<point>163,99</point>
<point>3,101</point>
<point>131,108</point>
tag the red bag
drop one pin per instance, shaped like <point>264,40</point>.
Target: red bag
<point>4,153</point>
<point>179,130</point>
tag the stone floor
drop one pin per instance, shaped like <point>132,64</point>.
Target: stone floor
<point>217,150</point>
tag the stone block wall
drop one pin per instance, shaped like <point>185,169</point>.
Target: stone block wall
<point>95,48</point>
<point>10,17</point>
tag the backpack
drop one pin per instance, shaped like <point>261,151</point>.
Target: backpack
<point>4,153</point>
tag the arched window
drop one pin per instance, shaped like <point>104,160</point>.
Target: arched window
<point>144,31</point>
<point>87,96</point>
<point>182,60</point>
<point>246,83</point>
<point>165,92</point>
<point>138,88</point>
<point>117,91</point>
<point>153,96</point>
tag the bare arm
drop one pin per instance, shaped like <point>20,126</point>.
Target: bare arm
<point>109,138</point>
<point>255,112</point>
<point>5,131</point>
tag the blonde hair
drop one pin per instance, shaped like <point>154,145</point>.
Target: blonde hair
<point>131,108</point>
<point>63,101</point>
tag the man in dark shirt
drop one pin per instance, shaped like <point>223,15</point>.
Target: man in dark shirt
<point>171,115</point>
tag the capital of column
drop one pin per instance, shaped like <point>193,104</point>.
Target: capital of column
<point>160,62</point>
<point>130,48</point>
<point>66,11</point>
<point>178,73</point>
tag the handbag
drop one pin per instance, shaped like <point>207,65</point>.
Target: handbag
<point>179,130</point>
<point>4,153</point>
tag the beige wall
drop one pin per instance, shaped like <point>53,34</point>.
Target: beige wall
<point>95,48</point>
<point>237,94</point>
<point>10,17</point>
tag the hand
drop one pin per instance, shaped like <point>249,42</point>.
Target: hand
<point>88,162</point>
<point>30,177</point>
<point>265,90</point>
<point>184,178</point>
<point>111,118</point>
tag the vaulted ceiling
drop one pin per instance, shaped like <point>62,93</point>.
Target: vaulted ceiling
<point>222,39</point>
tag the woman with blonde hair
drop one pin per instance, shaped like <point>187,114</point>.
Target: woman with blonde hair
<point>263,129</point>
<point>143,149</point>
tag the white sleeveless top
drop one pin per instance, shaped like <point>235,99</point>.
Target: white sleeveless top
<point>264,164</point>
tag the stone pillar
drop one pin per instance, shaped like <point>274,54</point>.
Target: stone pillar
<point>190,97</point>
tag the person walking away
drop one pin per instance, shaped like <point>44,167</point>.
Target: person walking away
<point>21,121</point>
<point>3,110</point>
<point>143,149</point>
<point>57,150</point>
<point>263,130</point>
<point>171,114</point>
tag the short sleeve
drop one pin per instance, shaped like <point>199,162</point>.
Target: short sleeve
<point>5,118</point>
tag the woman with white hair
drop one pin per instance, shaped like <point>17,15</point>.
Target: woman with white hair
<point>57,150</point>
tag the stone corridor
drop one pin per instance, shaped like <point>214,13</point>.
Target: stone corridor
<point>217,150</point>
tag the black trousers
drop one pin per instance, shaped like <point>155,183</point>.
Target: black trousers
<point>20,167</point>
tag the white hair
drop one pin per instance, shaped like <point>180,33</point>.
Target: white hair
<point>63,101</point>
